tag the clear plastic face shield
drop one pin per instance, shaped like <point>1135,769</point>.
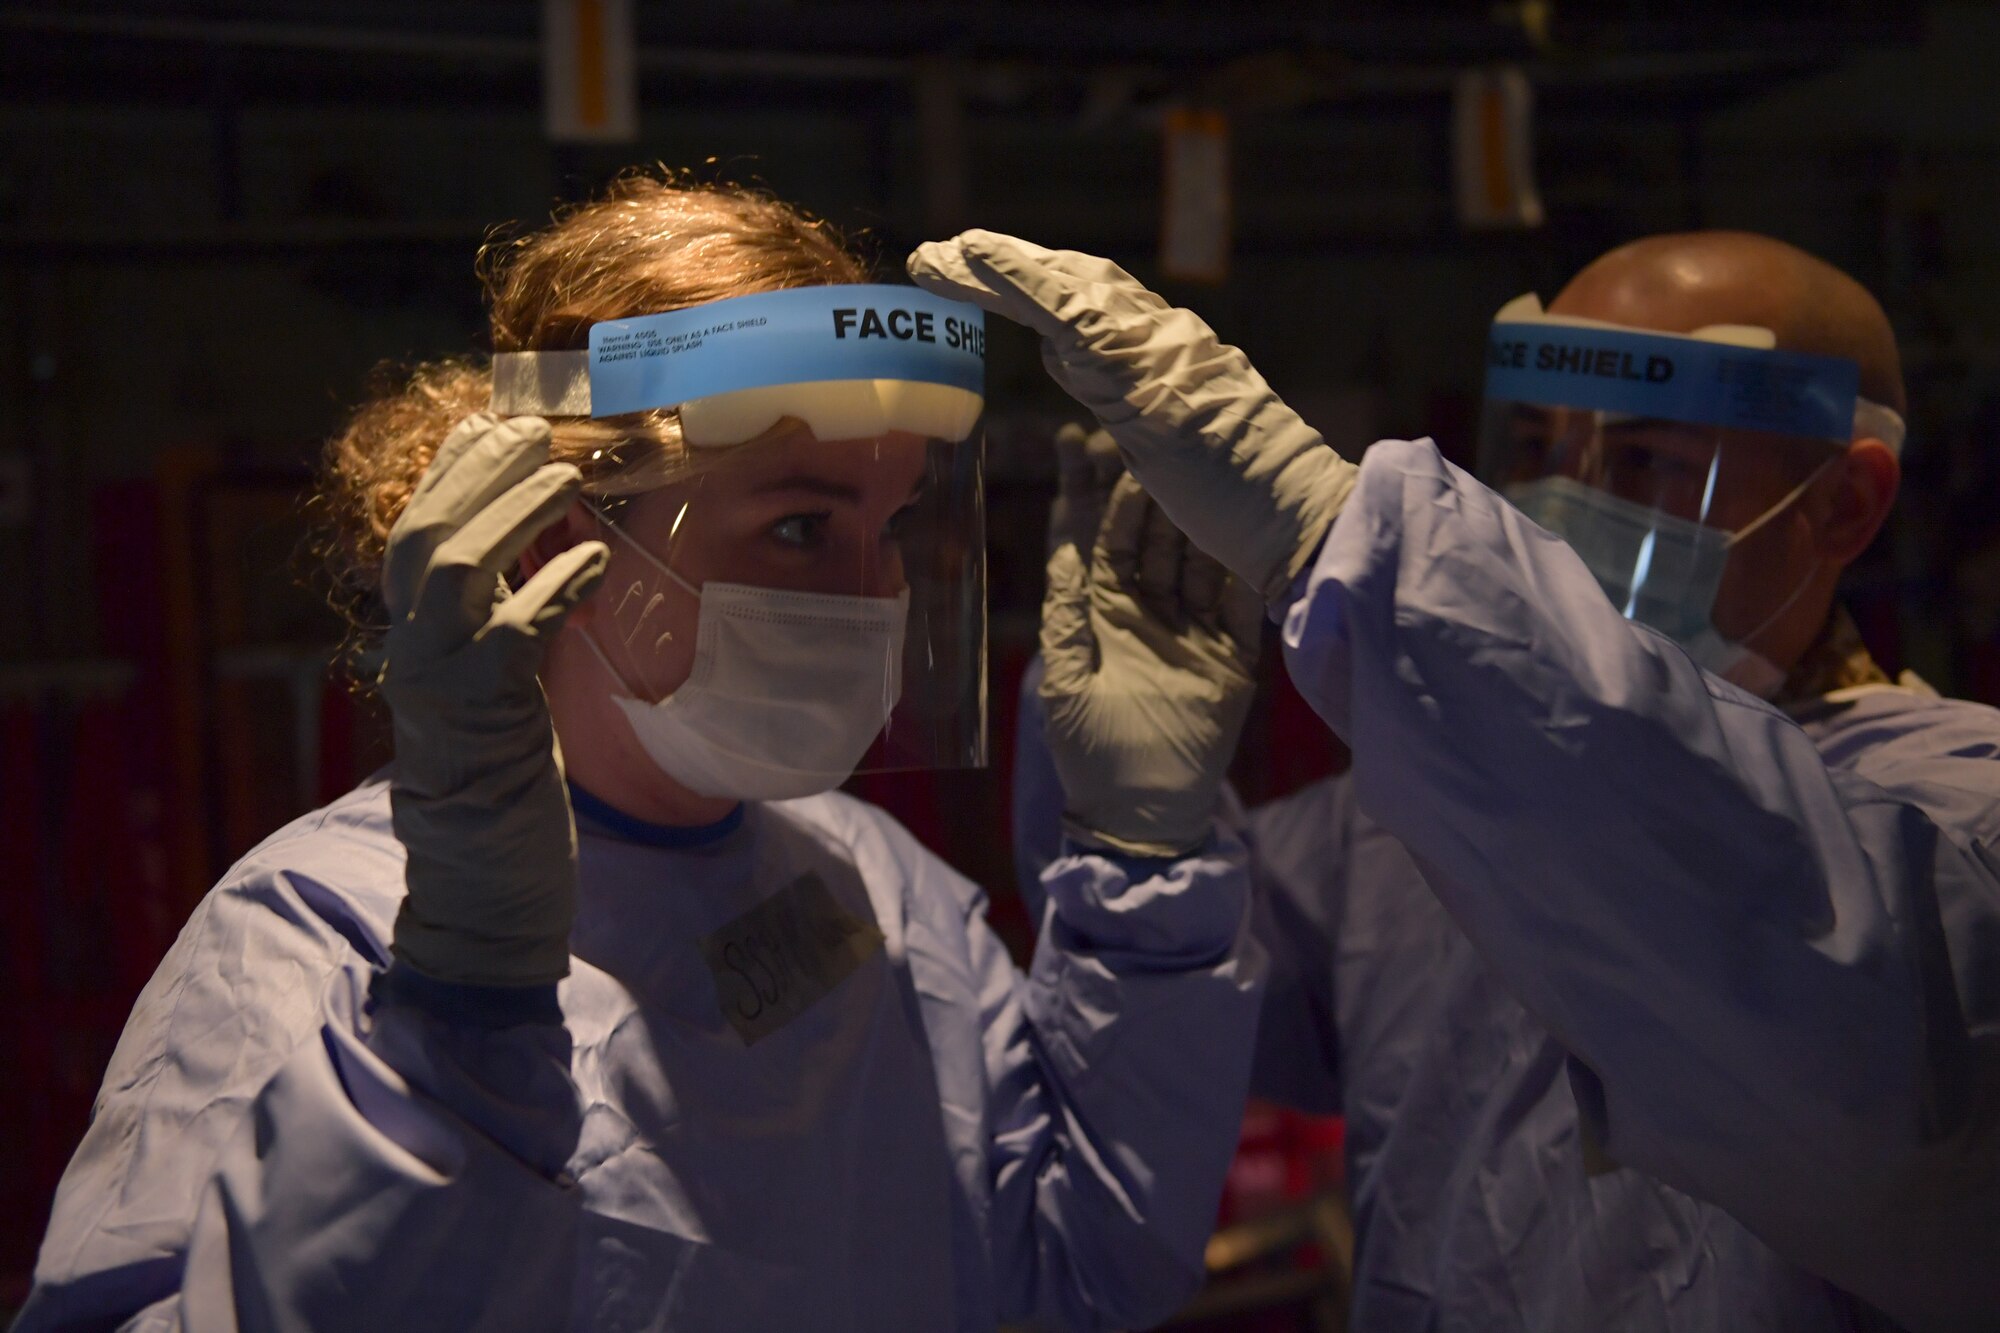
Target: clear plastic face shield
<point>1641,450</point>
<point>804,597</point>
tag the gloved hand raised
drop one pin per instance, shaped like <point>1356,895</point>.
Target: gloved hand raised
<point>1149,656</point>
<point>1087,467</point>
<point>478,800</point>
<point>1236,469</point>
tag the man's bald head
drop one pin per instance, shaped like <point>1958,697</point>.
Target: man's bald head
<point>1806,519</point>
<point>1681,282</point>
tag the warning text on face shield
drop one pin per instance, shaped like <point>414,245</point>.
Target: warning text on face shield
<point>647,342</point>
<point>909,326</point>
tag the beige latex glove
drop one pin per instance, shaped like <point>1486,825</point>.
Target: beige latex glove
<point>1087,467</point>
<point>478,800</point>
<point>1149,668</point>
<point>1237,470</point>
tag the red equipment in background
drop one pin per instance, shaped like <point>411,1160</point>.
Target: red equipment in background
<point>129,782</point>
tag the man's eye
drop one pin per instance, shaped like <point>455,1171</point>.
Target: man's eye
<point>1645,463</point>
<point>802,530</point>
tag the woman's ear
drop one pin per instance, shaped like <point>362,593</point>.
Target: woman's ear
<point>1868,485</point>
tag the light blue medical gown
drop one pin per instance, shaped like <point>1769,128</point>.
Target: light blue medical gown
<point>1627,983</point>
<point>856,1114</point>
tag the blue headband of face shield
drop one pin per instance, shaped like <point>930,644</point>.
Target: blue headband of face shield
<point>1660,568</point>
<point>852,361</point>
<point>1671,377</point>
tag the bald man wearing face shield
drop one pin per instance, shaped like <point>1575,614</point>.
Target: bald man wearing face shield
<point>1652,945</point>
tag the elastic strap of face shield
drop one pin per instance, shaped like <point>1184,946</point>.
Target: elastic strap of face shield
<point>1877,421</point>
<point>541,384</point>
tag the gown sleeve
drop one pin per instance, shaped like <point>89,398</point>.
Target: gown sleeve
<point>403,1169</point>
<point>284,1141</point>
<point>1291,845</point>
<point>1114,1073</point>
<point>1776,977</point>
<point>1300,860</point>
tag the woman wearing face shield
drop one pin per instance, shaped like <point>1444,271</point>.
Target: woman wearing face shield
<point>725,1049</point>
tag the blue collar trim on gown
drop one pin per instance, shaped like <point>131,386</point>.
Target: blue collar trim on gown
<point>623,826</point>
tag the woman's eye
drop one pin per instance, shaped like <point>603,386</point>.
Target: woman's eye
<point>802,530</point>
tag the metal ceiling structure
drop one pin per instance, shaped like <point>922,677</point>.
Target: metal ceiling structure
<point>1036,59</point>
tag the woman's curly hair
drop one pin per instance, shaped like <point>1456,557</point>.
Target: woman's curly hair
<point>653,241</point>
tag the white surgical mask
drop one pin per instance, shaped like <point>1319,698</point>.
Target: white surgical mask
<point>1663,571</point>
<point>787,692</point>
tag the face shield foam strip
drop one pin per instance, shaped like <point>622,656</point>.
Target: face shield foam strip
<point>804,335</point>
<point>1672,378</point>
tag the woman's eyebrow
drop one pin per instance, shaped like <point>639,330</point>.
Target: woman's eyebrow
<point>820,486</point>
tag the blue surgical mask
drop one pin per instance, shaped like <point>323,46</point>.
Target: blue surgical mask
<point>1662,571</point>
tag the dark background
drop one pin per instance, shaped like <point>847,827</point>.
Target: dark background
<point>217,219</point>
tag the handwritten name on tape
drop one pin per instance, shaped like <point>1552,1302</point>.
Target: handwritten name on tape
<point>784,955</point>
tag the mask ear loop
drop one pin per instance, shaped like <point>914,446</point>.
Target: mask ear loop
<point>597,651</point>
<point>635,545</point>
<point>608,524</point>
<point>1805,582</point>
<point>1791,498</point>
<point>1783,607</point>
